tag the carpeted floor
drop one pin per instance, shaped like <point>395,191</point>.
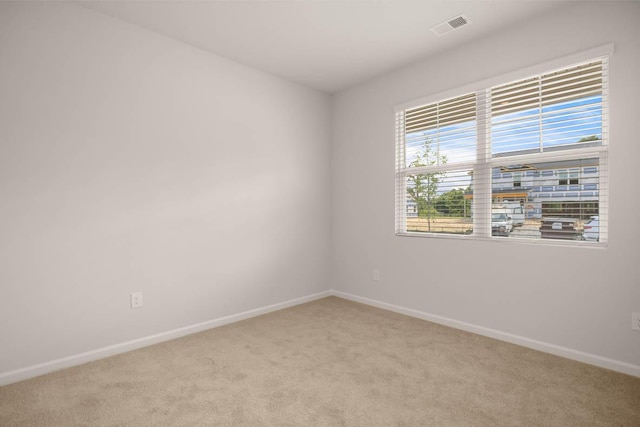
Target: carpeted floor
<point>330,362</point>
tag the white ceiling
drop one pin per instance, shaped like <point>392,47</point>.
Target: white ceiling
<point>327,45</point>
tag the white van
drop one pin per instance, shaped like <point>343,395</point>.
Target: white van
<point>515,209</point>
<point>501,223</point>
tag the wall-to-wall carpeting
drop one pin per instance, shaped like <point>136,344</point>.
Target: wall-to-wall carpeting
<point>331,362</point>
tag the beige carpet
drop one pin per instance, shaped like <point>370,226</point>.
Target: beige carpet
<point>330,362</point>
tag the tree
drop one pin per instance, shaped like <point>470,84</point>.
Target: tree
<point>589,138</point>
<point>452,203</point>
<point>423,187</point>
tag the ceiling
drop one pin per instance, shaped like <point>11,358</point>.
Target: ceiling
<point>326,45</point>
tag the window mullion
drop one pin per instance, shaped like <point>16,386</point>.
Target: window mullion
<point>482,169</point>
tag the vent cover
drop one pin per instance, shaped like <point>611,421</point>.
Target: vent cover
<point>450,25</point>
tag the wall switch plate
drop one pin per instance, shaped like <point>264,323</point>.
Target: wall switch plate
<point>136,299</point>
<point>376,274</point>
<point>635,321</point>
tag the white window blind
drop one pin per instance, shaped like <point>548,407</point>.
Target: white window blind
<point>523,159</point>
<point>438,152</point>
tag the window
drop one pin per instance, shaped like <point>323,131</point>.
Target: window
<point>517,180</point>
<point>568,178</point>
<point>437,153</point>
<point>524,159</point>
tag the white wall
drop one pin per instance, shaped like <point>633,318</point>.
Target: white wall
<point>583,300</point>
<point>132,162</point>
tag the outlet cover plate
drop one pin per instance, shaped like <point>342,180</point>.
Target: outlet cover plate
<point>136,299</point>
<point>635,321</point>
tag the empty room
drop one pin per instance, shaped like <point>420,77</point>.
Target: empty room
<point>319,213</point>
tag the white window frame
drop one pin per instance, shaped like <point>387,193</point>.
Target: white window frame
<point>485,162</point>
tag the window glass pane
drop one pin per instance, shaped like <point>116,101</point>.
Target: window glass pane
<point>439,202</point>
<point>555,111</point>
<point>441,133</point>
<point>543,203</point>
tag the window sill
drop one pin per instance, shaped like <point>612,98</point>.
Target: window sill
<point>509,240</point>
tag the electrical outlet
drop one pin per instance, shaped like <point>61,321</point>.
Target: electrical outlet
<point>376,274</point>
<point>635,321</point>
<point>136,299</point>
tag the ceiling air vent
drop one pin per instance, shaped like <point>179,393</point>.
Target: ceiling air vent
<point>450,25</point>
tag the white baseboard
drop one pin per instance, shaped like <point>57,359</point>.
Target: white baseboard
<point>592,359</point>
<point>78,359</point>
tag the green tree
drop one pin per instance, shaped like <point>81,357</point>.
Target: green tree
<point>452,203</point>
<point>423,187</point>
<point>589,138</point>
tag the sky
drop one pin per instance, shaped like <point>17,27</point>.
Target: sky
<point>555,125</point>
